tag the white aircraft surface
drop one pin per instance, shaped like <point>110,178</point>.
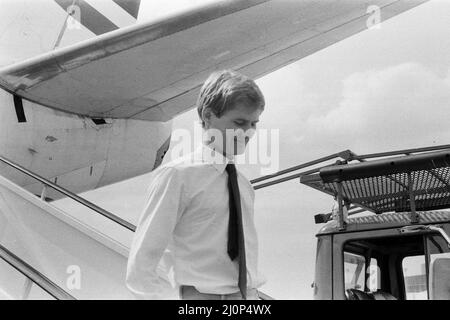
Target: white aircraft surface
<point>88,90</point>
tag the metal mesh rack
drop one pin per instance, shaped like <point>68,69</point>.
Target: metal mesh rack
<point>409,183</point>
<point>395,181</point>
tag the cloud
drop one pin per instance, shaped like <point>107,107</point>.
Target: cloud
<point>398,107</point>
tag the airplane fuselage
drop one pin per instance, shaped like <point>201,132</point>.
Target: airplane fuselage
<point>76,152</point>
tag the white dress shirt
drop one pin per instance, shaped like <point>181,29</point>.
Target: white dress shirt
<point>187,213</point>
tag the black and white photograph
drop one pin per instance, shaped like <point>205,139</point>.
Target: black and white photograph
<point>231,150</point>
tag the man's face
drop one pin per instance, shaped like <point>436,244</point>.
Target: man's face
<point>236,127</point>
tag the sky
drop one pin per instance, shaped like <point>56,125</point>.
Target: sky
<point>380,90</point>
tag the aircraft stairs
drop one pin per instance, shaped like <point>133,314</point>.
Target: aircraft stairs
<point>49,253</point>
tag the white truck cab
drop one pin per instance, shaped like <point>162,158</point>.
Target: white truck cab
<point>399,248</point>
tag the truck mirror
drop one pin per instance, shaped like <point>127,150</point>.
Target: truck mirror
<point>440,279</point>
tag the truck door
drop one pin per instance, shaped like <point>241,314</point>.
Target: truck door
<point>358,261</point>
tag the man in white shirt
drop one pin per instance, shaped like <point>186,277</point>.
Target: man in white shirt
<point>200,207</point>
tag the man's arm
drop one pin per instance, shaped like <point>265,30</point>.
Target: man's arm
<point>154,231</point>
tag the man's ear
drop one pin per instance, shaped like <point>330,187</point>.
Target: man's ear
<point>206,115</point>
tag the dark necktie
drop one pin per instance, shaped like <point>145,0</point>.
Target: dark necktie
<point>236,245</point>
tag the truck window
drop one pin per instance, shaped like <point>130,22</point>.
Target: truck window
<point>414,276</point>
<point>354,270</point>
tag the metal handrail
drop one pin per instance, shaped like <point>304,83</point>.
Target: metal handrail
<point>343,154</point>
<point>346,154</point>
<point>71,195</point>
<point>284,179</point>
<point>35,276</point>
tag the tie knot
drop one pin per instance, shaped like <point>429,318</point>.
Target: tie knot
<point>231,168</point>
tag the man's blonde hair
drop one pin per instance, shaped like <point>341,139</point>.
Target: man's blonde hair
<point>223,89</point>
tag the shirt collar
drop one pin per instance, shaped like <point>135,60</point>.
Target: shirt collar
<point>209,154</point>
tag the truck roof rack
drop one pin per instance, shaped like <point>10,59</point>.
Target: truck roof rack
<point>407,183</point>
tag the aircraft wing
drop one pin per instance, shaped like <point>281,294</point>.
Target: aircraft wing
<point>153,71</point>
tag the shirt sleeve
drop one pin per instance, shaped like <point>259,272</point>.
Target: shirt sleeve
<point>153,234</point>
